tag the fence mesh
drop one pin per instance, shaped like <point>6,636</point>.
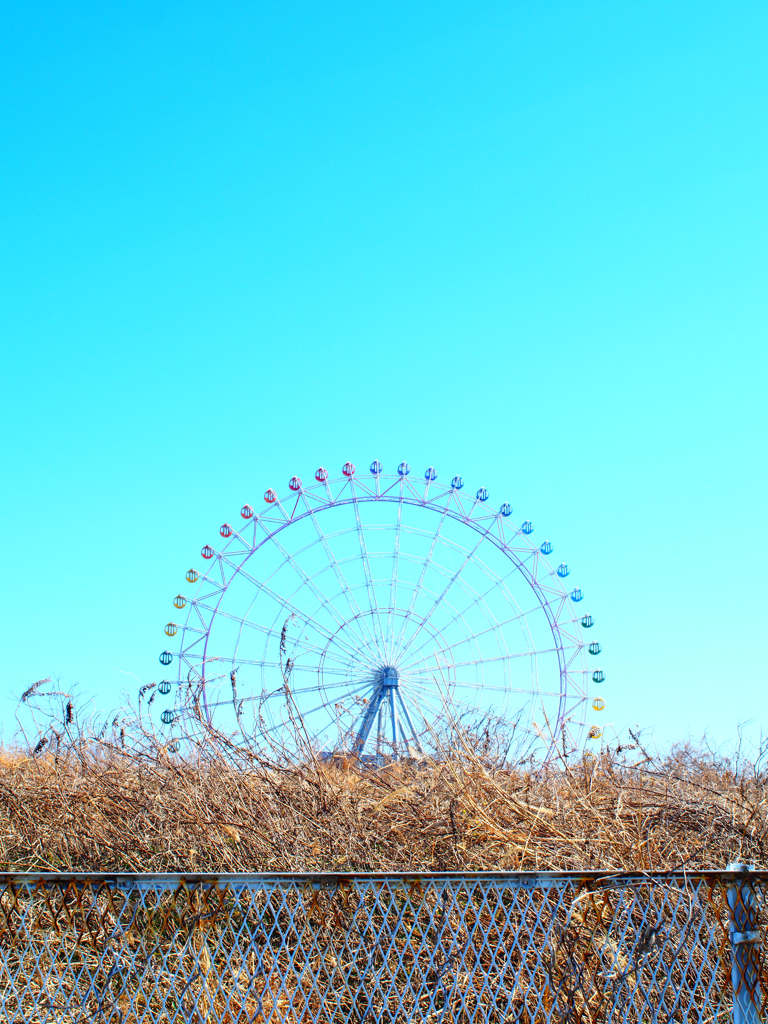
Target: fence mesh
<point>364,948</point>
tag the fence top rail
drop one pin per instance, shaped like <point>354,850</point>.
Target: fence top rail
<point>336,878</point>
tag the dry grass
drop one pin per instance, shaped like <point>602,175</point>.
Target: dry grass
<point>88,801</point>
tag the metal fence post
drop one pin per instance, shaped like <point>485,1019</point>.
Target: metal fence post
<point>745,947</point>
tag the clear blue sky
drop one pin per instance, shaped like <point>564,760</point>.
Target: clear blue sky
<point>522,242</point>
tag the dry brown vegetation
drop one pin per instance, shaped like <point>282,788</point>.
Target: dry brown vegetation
<point>112,797</point>
<point>80,800</point>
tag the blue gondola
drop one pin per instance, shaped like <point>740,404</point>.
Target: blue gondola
<point>577,595</point>
<point>482,494</point>
<point>376,467</point>
<point>430,474</point>
<point>546,548</point>
<point>562,570</point>
<point>403,469</point>
<point>594,648</point>
<point>506,510</point>
<point>457,483</point>
<point>527,527</point>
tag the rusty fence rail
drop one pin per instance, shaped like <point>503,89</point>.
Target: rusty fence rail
<point>364,948</point>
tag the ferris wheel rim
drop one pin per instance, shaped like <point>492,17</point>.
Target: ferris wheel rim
<point>547,588</point>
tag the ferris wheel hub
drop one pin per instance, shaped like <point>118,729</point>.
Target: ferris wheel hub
<point>389,677</point>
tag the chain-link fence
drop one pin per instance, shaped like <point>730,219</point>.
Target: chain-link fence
<point>367,948</point>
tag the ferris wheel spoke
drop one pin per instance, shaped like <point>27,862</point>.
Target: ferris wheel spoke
<point>464,708</point>
<point>279,695</point>
<point>304,649</point>
<point>412,668</point>
<point>464,640</point>
<point>320,707</point>
<point>393,584</point>
<point>417,588</point>
<point>468,557</point>
<point>286,605</point>
<point>482,687</point>
<point>277,635</point>
<point>437,706</point>
<point>352,645</point>
<point>360,655</point>
<point>295,667</point>
<point>341,578</point>
<point>493,627</point>
<point>309,582</point>
<point>357,685</point>
<point>432,637</point>
<point>497,658</point>
<point>475,685</point>
<point>452,580</point>
<point>479,598</point>
<point>373,604</point>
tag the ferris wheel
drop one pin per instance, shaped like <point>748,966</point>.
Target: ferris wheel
<point>376,609</point>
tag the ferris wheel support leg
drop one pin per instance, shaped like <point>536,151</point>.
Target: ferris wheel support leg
<point>368,719</point>
<point>409,723</point>
<point>394,718</point>
<point>407,745</point>
<point>380,729</point>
